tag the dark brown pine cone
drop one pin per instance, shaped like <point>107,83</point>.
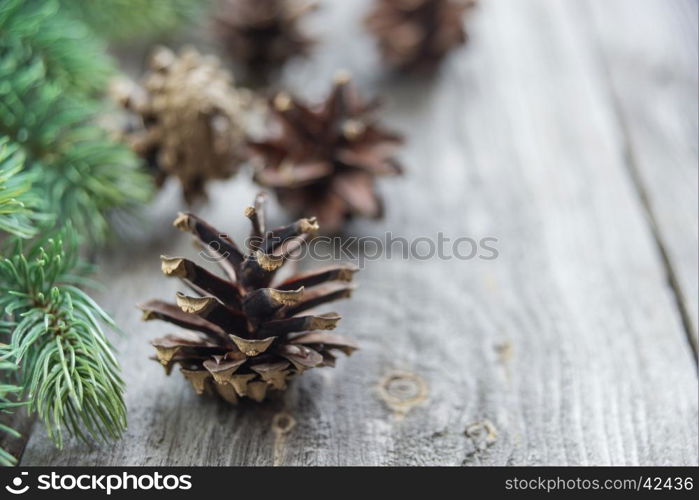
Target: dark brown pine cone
<point>249,332</point>
<point>415,35</point>
<point>190,120</point>
<point>324,159</point>
<point>263,34</point>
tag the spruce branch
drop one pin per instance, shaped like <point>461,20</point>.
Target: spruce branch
<point>56,163</point>
<point>137,18</point>
<point>8,402</point>
<point>17,202</point>
<point>67,368</point>
<point>17,218</point>
<point>84,173</point>
<point>72,56</point>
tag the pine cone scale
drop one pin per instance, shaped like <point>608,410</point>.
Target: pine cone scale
<point>157,309</point>
<point>302,174</point>
<point>357,191</point>
<point>201,281</point>
<point>319,276</point>
<point>225,317</point>
<point>327,339</point>
<point>213,240</point>
<point>320,295</point>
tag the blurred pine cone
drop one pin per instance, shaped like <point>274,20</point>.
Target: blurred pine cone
<point>415,35</point>
<point>250,332</point>
<point>263,34</point>
<point>190,120</point>
<point>324,159</point>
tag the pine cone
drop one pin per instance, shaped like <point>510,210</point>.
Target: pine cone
<point>250,332</point>
<point>325,159</point>
<point>190,120</point>
<point>263,34</point>
<point>415,35</point>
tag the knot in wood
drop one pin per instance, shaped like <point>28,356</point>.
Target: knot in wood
<point>402,390</point>
<point>282,423</point>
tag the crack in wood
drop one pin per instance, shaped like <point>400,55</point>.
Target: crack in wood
<point>282,424</point>
<point>634,170</point>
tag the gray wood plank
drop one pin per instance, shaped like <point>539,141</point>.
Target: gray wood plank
<point>650,54</point>
<point>566,349</point>
<point>21,422</point>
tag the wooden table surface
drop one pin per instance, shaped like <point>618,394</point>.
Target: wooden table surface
<point>565,129</point>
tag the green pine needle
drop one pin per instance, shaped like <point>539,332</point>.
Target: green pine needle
<point>83,174</point>
<point>18,204</point>
<point>72,56</point>
<point>8,402</point>
<point>137,18</point>
<point>68,371</point>
<point>58,167</point>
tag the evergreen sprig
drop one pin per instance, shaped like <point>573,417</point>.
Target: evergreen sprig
<point>58,167</point>
<point>8,401</point>
<point>68,372</point>
<point>45,110</point>
<point>73,57</point>
<point>138,18</point>
<point>18,204</point>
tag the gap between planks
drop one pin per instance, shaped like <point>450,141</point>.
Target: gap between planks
<point>634,171</point>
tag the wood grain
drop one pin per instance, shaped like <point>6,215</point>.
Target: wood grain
<point>654,78</point>
<point>567,349</point>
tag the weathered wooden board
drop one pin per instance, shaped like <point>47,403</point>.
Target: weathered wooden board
<point>650,54</point>
<point>567,349</point>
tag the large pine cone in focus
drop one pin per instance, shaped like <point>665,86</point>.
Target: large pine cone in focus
<point>249,332</point>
